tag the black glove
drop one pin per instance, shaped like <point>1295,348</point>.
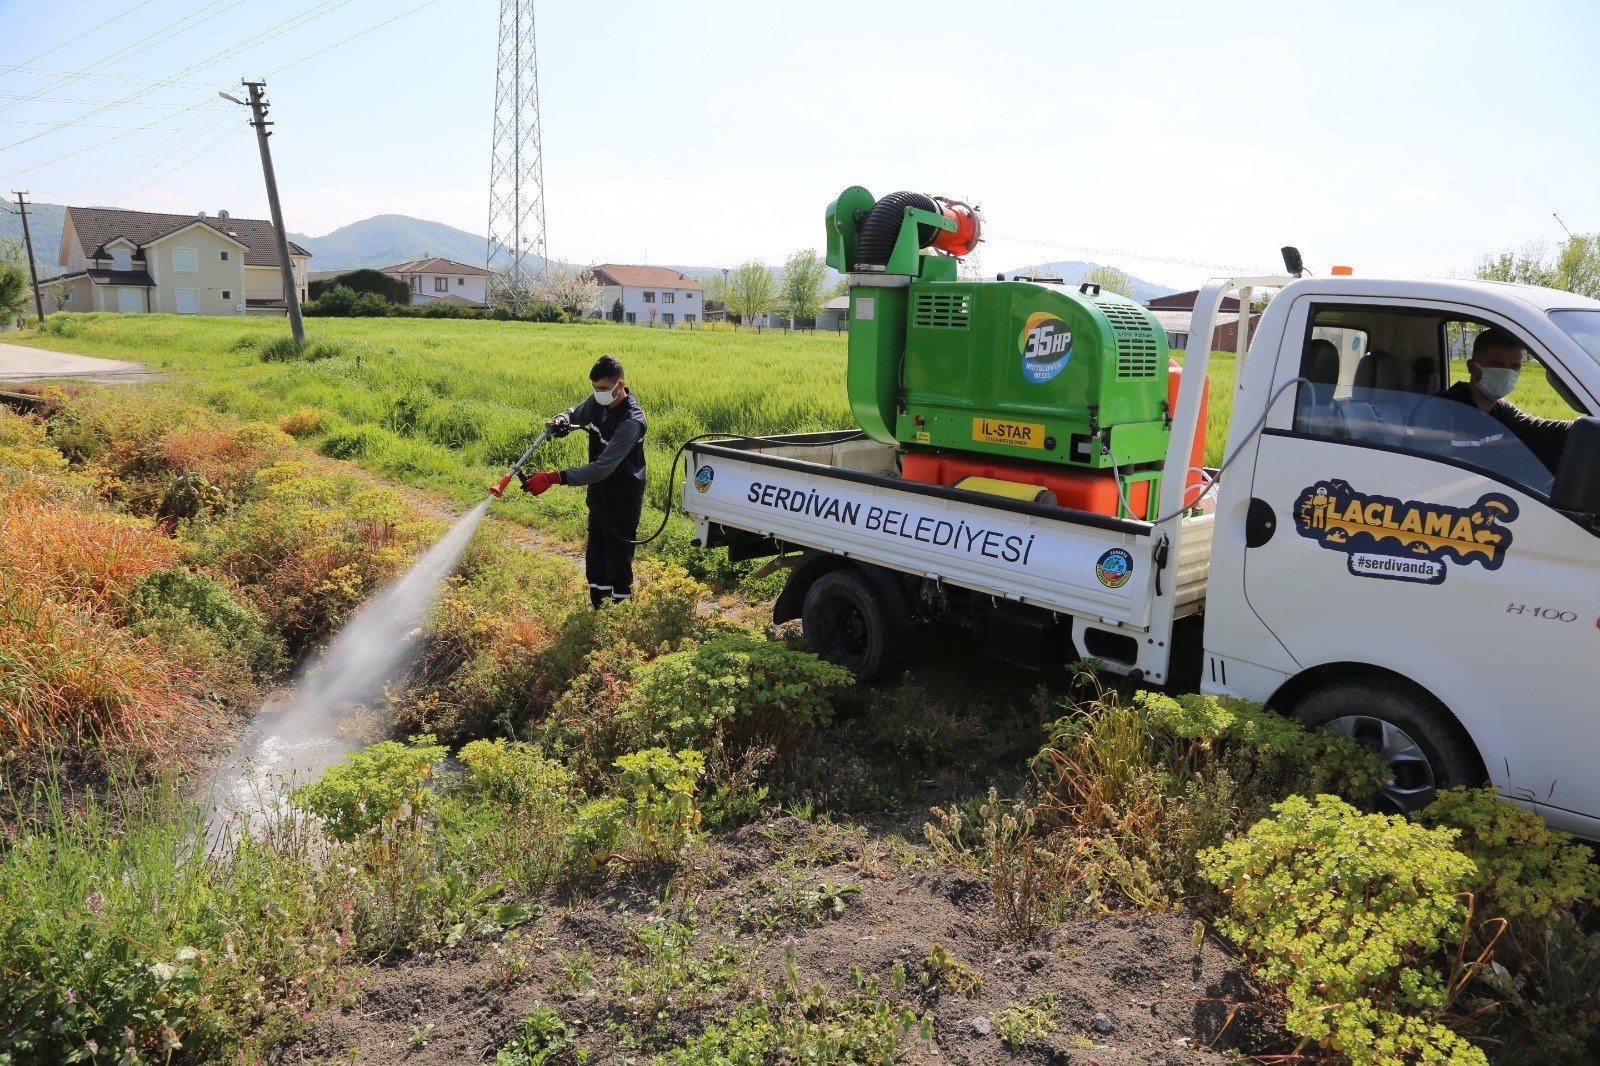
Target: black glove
<point>559,426</point>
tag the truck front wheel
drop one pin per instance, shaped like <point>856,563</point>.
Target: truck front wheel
<point>846,620</point>
<point>1424,747</point>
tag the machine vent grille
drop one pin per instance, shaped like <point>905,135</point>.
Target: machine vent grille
<point>942,310</point>
<point>1138,353</point>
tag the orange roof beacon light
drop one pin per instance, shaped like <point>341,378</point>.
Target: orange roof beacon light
<point>1343,271</point>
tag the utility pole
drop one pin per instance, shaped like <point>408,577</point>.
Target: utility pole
<point>33,270</point>
<point>291,295</point>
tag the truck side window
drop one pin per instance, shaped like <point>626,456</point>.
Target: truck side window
<point>1383,377</point>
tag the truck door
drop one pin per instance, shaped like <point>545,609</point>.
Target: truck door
<point>1414,534</point>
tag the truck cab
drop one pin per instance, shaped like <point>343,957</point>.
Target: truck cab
<point>1399,565</point>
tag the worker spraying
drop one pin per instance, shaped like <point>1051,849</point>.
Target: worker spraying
<point>614,475</point>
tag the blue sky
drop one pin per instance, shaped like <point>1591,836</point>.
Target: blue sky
<point>1172,140</point>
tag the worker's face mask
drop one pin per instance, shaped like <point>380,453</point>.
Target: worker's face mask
<point>1497,381</point>
<point>606,397</point>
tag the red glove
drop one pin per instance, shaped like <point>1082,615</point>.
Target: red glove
<point>537,483</point>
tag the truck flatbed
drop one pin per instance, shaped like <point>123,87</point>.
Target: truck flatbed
<point>841,494</point>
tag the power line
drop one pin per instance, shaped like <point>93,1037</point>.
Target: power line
<point>99,126</point>
<point>1232,268</point>
<point>134,170</point>
<point>363,33</point>
<point>80,151</point>
<point>81,76</point>
<point>203,150</point>
<point>111,103</point>
<point>134,166</point>
<point>87,32</point>
<point>129,50</point>
<point>299,21</point>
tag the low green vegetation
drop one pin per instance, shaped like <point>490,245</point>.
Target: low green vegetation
<point>169,552</point>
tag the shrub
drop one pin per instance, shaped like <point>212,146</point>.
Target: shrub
<point>1528,873</point>
<point>1546,966</point>
<point>180,595</point>
<point>365,280</point>
<point>1349,914</point>
<point>661,787</point>
<point>380,789</point>
<point>520,809</point>
<point>304,422</point>
<point>344,302</point>
<point>596,831</point>
<point>1149,782</point>
<point>70,677</point>
<point>754,689</point>
<point>308,547</point>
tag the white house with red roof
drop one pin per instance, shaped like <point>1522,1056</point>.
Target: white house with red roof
<point>435,280</point>
<point>673,296</point>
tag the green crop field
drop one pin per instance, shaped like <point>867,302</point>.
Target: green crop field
<point>448,404</point>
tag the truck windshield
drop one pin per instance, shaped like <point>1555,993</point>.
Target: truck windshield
<point>1581,326</point>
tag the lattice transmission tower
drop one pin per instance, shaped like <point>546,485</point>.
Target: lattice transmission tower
<point>517,250</point>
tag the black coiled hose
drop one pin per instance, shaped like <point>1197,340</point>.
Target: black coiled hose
<point>882,227</point>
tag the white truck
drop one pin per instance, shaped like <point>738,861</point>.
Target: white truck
<point>1375,558</point>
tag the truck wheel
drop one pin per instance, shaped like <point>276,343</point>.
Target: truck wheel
<point>1425,748</point>
<point>847,622</point>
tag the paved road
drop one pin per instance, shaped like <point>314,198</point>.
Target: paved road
<point>34,364</point>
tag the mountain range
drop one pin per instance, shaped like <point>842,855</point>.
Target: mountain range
<point>384,240</point>
<point>1073,271</point>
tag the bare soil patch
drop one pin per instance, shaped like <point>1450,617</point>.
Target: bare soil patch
<point>1130,988</point>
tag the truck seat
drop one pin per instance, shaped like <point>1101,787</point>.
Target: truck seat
<point>1314,403</point>
<point>1377,409</point>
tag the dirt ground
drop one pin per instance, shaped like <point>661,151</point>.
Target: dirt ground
<point>1131,989</point>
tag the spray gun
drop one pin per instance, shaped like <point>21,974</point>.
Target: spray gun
<point>499,487</point>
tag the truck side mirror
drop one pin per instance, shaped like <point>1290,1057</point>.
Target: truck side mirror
<point>1577,485</point>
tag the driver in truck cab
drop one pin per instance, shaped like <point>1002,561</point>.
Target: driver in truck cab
<point>1492,373</point>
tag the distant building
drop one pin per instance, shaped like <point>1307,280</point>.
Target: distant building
<point>835,313</point>
<point>1184,301</point>
<point>674,296</point>
<point>1224,333</point>
<point>443,281</point>
<point>144,262</point>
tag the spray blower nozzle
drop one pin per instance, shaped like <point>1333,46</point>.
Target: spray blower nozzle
<point>499,487</point>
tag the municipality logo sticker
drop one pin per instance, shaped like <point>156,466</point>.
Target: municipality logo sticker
<point>1114,568</point>
<point>1046,344</point>
<point>703,478</point>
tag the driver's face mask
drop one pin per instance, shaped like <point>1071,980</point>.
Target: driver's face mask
<point>1497,381</point>
<point>605,397</point>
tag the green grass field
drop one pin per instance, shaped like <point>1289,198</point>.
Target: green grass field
<point>447,405</point>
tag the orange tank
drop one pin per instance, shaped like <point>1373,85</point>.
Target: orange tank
<point>1082,490</point>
